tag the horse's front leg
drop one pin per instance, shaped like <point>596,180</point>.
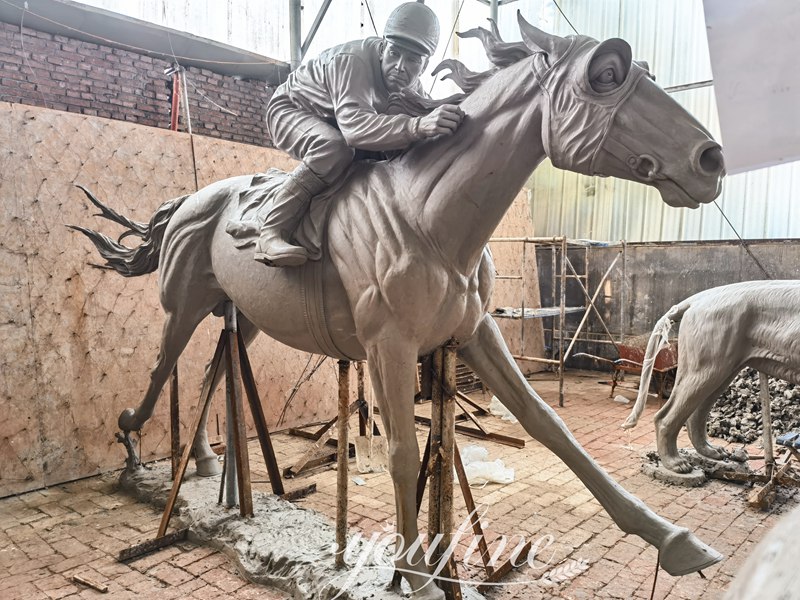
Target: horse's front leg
<point>392,365</point>
<point>487,354</point>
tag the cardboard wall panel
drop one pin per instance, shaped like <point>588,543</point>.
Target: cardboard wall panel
<point>78,342</point>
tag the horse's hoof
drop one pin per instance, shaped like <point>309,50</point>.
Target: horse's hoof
<point>677,464</point>
<point>714,453</point>
<point>208,466</point>
<point>127,420</point>
<point>682,553</point>
<point>429,592</point>
<point>739,456</point>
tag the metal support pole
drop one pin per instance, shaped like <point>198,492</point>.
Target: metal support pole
<point>238,487</point>
<point>295,43</point>
<point>176,100</point>
<point>592,306</point>
<point>493,10</point>
<point>766,419</point>
<point>562,321</point>
<point>314,28</point>
<point>342,457</point>
<point>522,320</point>
<point>440,496</point>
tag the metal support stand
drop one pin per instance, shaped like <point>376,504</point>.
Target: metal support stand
<point>315,456</point>
<point>440,458</point>
<point>232,349</point>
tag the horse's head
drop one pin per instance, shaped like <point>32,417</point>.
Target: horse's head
<point>604,115</point>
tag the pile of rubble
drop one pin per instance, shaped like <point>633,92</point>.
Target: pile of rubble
<point>736,416</point>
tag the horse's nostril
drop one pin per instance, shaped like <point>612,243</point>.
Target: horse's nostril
<point>711,160</point>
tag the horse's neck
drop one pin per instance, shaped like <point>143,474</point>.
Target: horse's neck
<point>463,185</point>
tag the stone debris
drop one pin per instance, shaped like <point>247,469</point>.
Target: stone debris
<point>736,417</point>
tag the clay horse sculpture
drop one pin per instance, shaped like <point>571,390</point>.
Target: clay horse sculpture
<point>723,330</point>
<point>404,264</point>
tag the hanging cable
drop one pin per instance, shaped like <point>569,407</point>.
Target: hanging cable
<point>742,243</point>
<point>25,58</point>
<point>450,37</point>
<point>369,12</point>
<point>565,18</point>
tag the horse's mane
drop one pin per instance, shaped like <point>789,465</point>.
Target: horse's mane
<point>501,54</point>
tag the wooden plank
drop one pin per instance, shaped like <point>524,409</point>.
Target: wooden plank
<point>260,421</point>
<point>174,421</point>
<point>325,439</point>
<point>83,580</point>
<point>434,468</point>
<point>205,398</point>
<point>475,520</point>
<point>451,587</point>
<point>162,541</point>
<point>477,433</point>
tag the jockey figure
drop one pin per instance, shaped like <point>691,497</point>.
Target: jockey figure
<point>334,105</point>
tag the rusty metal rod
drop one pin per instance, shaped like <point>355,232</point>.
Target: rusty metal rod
<point>175,421</point>
<point>342,460</point>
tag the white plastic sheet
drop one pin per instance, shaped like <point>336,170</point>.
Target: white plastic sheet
<point>499,410</point>
<point>480,470</point>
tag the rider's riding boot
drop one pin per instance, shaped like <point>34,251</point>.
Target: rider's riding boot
<point>286,210</point>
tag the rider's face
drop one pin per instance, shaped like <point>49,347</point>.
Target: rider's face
<point>400,67</point>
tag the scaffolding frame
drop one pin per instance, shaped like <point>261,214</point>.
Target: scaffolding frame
<point>562,270</point>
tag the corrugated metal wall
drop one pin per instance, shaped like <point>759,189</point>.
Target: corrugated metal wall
<point>669,34</point>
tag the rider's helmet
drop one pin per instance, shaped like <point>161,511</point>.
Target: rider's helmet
<point>414,26</point>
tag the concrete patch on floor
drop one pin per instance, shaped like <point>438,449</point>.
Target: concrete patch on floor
<point>704,468</point>
<point>694,478</point>
<point>713,468</point>
<point>283,545</point>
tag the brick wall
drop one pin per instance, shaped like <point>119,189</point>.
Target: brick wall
<point>61,73</point>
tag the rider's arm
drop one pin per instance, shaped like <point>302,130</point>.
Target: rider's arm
<point>350,81</point>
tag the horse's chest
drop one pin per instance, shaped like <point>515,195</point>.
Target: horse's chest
<point>430,299</point>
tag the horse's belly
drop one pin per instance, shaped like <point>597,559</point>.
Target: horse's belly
<point>277,302</point>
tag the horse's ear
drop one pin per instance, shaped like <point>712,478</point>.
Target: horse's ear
<point>538,40</point>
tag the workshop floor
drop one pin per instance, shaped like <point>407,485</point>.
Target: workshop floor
<point>49,536</point>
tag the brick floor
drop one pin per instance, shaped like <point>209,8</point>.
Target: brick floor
<point>50,535</point>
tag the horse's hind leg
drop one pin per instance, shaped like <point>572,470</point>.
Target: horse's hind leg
<point>486,353</point>
<point>179,326</point>
<point>205,458</point>
<point>697,422</point>
<point>694,390</point>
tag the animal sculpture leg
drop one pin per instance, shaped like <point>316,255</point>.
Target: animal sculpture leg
<point>691,392</point>
<point>486,353</point>
<point>206,460</point>
<point>697,422</point>
<point>392,366</point>
<point>178,328</point>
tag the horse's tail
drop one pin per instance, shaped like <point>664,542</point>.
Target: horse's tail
<point>131,262</point>
<point>659,340</point>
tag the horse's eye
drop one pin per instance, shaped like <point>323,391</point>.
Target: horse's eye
<point>606,80</point>
<point>607,76</point>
